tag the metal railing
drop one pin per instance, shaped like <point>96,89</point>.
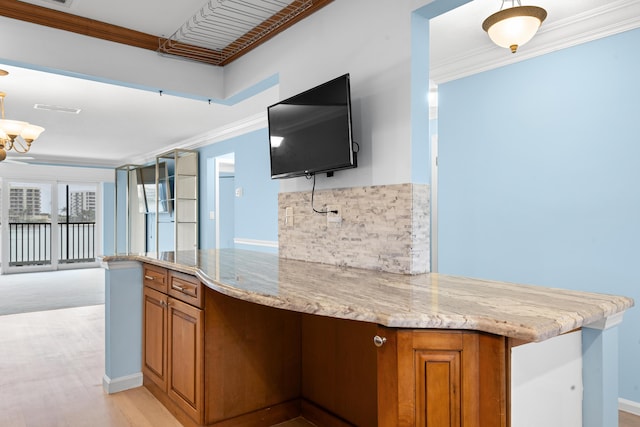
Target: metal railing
<point>77,242</point>
<point>30,243</point>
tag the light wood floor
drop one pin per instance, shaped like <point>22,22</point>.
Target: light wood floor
<point>628,420</point>
<point>51,369</point>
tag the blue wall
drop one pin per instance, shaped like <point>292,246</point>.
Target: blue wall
<point>539,173</point>
<point>256,212</point>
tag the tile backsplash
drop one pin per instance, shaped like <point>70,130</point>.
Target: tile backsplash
<point>383,227</point>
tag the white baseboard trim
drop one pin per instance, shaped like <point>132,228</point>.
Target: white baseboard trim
<point>111,386</point>
<point>629,406</point>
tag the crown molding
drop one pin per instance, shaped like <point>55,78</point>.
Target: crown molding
<point>222,133</point>
<point>613,18</point>
<point>240,127</point>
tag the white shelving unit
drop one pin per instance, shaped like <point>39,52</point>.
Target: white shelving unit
<point>177,201</point>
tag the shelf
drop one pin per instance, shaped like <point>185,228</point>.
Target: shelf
<point>180,229</point>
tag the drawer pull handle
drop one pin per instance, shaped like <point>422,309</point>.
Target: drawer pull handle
<point>149,277</point>
<point>177,287</point>
<point>379,341</point>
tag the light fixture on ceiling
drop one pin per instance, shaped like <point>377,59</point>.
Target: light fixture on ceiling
<point>513,27</point>
<point>12,131</point>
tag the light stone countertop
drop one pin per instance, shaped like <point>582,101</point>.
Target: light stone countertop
<point>425,301</point>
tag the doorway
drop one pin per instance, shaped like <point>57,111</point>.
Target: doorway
<point>225,200</point>
<point>48,225</point>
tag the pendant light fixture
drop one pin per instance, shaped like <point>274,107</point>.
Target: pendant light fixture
<point>12,131</point>
<point>513,27</point>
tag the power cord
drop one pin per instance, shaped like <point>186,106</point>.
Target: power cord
<point>313,190</point>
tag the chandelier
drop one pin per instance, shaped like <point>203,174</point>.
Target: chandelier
<point>16,135</point>
<point>513,27</point>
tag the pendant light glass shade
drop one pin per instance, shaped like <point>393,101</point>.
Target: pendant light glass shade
<point>31,132</point>
<point>513,27</point>
<point>12,128</point>
<point>15,134</point>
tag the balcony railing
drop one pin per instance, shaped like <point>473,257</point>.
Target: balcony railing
<point>30,243</point>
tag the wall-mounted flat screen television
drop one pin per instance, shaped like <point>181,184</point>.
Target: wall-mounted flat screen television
<point>311,132</point>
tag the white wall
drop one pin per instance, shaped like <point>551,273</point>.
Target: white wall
<point>371,40</point>
<point>49,49</point>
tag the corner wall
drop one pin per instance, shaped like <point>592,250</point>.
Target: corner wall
<point>539,176</point>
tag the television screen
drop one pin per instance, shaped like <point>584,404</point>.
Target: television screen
<point>311,132</point>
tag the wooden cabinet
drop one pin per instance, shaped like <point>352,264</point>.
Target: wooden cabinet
<point>173,338</point>
<point>216,360</point>
<point>441,379</point>
<point>155,278</point>
<point>185,357</point>
<point>154,343</point>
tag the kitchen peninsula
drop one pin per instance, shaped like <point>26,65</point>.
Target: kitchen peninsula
<point>275,338</point>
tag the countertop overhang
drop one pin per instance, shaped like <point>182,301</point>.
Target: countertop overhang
<point>424,301</point>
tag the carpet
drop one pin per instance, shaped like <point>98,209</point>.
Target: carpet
<point>52,290</point>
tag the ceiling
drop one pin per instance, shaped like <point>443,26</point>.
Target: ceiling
<point>102,132</point>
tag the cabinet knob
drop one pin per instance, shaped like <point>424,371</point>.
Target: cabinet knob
<point>379,341</point>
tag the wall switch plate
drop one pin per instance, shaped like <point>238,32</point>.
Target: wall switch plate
<point>334,214</point>
<point>212,215</point>
<point>288,216</point>
<point>239,192</point>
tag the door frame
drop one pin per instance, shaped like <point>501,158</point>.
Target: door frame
<point>5,268</point>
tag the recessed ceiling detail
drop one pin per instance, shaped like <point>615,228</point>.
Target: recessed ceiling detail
<point>222,30</point>
<point>217,34</point>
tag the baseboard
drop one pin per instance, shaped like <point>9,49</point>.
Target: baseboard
<point>629,406</point>
<point>318,416</point>
<point>111,386</point>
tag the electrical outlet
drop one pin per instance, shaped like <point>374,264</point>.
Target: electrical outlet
<point>334,214</point>
<point>288,216</point>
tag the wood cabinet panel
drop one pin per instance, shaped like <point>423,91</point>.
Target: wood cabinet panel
<point>339,368</point>
<point>441,378</point>
<point>154,348</point>
<point>437,388</point>
<point>185,357</point>
<point>252,357</point>
<point>186,288</point>
<point>155,277</point>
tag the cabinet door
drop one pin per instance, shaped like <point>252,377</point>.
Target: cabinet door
<point>185,358</point>
<point>441,379</point>
<point>154,337</point>
<point>437,379</point>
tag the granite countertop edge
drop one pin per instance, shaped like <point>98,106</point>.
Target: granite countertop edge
<point>528,328</point>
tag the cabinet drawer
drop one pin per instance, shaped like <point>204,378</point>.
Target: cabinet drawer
<point>155,277</point>
<point>185,288</point>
